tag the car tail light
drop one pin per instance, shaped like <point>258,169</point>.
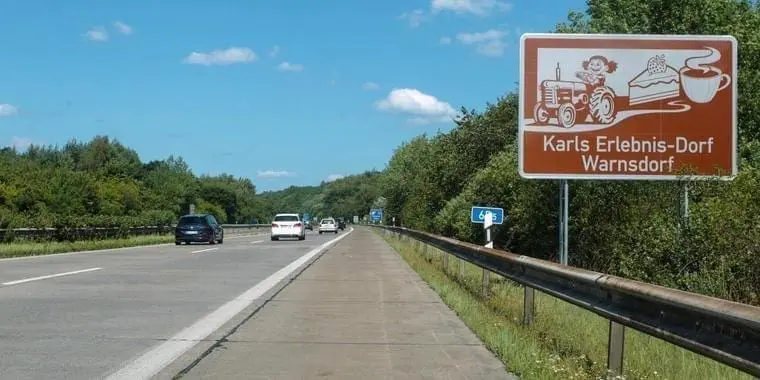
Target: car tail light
<point>274,225</point>
<point>297,225</point>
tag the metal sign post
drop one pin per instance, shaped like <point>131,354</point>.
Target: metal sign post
<point>686,203</point>
<point>564,205</point>
<point>489,216</point>
<point>488,226</point>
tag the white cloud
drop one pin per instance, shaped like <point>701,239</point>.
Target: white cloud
<point>445,40</point>
<point>20,143</point>
<point>370,86</point>
<point>476,7</point>
<point>489,43</point>
<point>222,57</point>
<point>333,177</point>
<point>424,108</point>
<point>275,173</point>
<point>122,28</point>
<point>287,66</point>
<point>275,51</point>
<point>414,18</point>
<point>8,110</point>
<point>97,33</point>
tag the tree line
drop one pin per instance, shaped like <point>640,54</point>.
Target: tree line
<point>344,197</point>
<point>102,183</point>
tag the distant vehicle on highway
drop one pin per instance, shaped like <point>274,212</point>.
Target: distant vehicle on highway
<point>288,225</point>
<point>198,228</point>
<point>341,224</point>
<point>328,225</point>
<point>308,222</point>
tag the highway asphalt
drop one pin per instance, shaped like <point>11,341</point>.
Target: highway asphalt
<point>90,314</point>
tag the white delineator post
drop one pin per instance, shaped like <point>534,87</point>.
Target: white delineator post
<point>487,225</point>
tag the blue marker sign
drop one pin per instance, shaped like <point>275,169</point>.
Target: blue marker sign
<point>478,214</point>
<point>376,214</point>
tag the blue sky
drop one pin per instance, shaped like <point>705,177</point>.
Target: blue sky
<point>284,92</point>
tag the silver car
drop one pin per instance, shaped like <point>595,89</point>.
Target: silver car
<point>328,225</point>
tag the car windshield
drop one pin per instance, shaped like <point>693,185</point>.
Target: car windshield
<point>286,218</point>
<point>187,220</point>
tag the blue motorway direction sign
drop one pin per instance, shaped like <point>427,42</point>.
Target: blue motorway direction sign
<point>306,217</point>
<point>376,214</point>
<point>478,214</point>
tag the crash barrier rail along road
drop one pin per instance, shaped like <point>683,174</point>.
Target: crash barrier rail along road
<point>108,232</point>
<point>725,331</point>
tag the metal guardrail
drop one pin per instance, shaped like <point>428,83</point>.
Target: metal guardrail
<point>90,232</point>
<point>726,331</point>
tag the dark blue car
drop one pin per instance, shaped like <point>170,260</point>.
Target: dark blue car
<point>198,228</point>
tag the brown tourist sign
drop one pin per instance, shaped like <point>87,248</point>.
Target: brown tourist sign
<point>627,106</point>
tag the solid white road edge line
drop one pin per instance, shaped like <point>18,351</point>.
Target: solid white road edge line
<point>114,249</point>
<point>205,250</point>
<point>156,359</point>
<point>257,241</point>
<point>49,276</point>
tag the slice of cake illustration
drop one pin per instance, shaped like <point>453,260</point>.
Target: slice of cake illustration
<point>657,82</point>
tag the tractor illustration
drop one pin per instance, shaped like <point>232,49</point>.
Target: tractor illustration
<point>571,102</point>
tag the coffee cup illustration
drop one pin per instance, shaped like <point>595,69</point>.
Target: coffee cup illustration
<point>701,81</point>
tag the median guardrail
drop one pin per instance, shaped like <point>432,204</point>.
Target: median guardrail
<point>726,331</point>
<point>85,233</point>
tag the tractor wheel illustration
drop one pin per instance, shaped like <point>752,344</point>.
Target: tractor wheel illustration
<point>602,105</point>
<point>540,114</point>
<point>566,115</point>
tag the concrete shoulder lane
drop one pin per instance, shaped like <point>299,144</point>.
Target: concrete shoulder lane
<point>358,312</point>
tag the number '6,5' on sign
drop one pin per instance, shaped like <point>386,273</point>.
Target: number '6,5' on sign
<point>477,214</point>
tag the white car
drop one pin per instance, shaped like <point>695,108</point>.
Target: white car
<point>288,225</point>
<point>328,225</point>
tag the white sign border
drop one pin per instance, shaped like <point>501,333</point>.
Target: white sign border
<point>629,177</point>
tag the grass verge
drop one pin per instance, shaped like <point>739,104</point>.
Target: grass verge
<point>564,342</point>
<point>47,248</point>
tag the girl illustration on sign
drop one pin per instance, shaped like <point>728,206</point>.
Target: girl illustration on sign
<point>596,69</point>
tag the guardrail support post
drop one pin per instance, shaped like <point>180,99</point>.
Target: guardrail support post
<point>489,244</point>
<point>528,304</point>
<point>615,349</point>
<point>461,269</point>
<point>445,261</point>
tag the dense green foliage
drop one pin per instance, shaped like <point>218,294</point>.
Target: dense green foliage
<point>102,183</point>
<point>632,229</point>
<point>345,197</point>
